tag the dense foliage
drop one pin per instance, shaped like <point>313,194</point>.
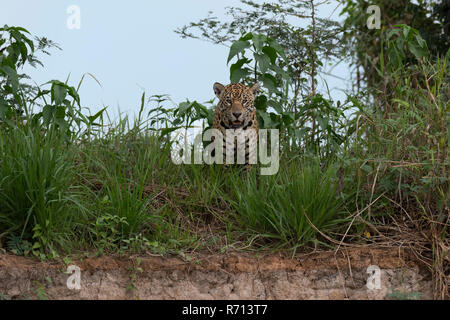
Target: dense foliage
<point>371,170</point>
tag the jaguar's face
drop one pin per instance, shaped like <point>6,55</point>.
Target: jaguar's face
<point>236,104</point>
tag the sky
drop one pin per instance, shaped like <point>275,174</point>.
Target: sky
<point>131,47</point>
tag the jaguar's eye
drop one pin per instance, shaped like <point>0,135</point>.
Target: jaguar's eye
<point>228,100</point>
<point>246,101</point>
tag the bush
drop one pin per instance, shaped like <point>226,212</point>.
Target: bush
<point>292,205</point>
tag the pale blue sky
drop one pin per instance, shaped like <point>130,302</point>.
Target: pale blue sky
<point>130,46</point>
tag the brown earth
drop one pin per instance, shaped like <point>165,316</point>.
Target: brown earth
<point>319,275</point>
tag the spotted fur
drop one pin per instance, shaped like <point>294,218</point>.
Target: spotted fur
<point>236,111</point>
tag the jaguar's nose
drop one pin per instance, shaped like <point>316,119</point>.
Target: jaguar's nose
<point>237,114</point>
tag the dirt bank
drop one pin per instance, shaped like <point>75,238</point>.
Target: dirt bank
<point>322,275</point>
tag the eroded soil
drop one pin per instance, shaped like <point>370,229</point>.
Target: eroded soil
<point>320,275</point>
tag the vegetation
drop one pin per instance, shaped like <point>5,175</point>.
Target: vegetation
<point>370,170</point>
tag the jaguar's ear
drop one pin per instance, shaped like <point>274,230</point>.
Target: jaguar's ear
<point>218,89</point>
<point>255,89</point>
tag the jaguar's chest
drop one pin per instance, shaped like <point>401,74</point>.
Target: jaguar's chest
<point>239,145</point>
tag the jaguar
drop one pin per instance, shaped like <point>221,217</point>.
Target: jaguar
<point>236,114</point>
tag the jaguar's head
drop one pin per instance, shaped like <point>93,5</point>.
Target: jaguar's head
<point>236,104</point>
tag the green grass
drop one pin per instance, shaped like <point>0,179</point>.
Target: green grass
<point>119,190</point>
<point>112,187</point>
<point>290,206</point>
<point>38,197</point>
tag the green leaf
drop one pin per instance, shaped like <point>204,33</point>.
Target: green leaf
<point>47,114</point>
<point>258,41</point>
<point>210,117</point>
<point>278,48</point>
<point>12,76</point>
<point>183,107</point>
<point>418,48</point>
<point>276,105</point>
<point>238,74</point>
<point>261,102</point>
<point>60,112</point>
<point>267,121</point>
<point>247,36</point>
<point>288,118</point>
<point>73,93</point>
<point>62,123</point>
<point>269,82</point>
<point>4,107</point>
<point>238,65</point>
<point>401,102</point>
<point>263,62</point>
<point>58,92</point>
<point>271,53</point>
<point>201,110</point>
<point>299,133</point>
<point>236,48</point>
<point>279,71</point>
<point>406,30</point>
<point>23,51</point>
<point>95,116</point>
<point>166,131</point>
<point>323,122</point>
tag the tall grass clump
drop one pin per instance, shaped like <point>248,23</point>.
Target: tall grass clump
<point>37,203</point>
<point>291,206</point>
<point>128,178</point>
<point>123,162</point>
<point>400,151</point>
